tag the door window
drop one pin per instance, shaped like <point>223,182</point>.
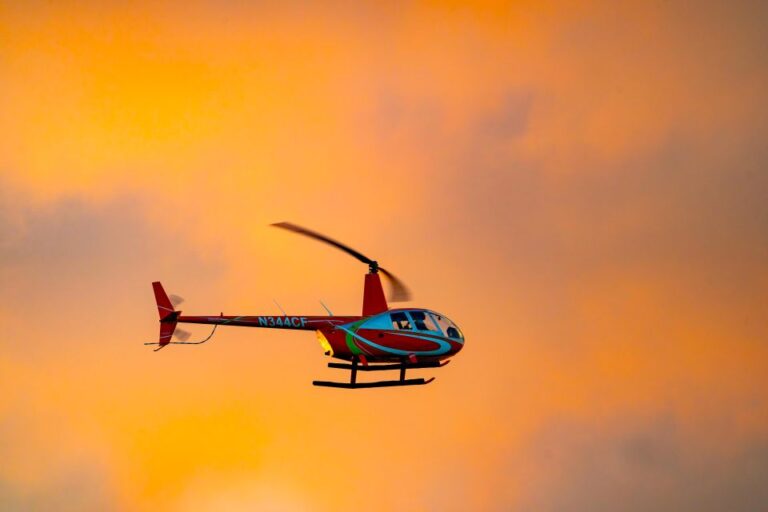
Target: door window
<point>400,321</point>
<point>423,322</point>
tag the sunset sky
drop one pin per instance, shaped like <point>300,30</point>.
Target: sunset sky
<point>581,186</point>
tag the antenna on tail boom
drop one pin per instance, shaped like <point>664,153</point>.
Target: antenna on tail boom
<point>280,307</point>
<point>330,313</point>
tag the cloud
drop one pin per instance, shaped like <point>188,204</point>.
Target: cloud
<point>74,489</point>
<point>103,253</point>
<point>642,464</point>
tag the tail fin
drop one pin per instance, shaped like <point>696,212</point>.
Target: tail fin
<point>164,306</point>
<point>167,314</point>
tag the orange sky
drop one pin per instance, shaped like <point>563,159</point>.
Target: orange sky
<point>579,185</point>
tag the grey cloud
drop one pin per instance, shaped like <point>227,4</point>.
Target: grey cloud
<point>76,489</point>
<point>642,465</point>
<point>511,119</point>
<point>78,266</point>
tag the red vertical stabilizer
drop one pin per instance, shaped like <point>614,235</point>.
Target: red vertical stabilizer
<point>164,306</point>
<point>167,314</point>
<point>373,296</point>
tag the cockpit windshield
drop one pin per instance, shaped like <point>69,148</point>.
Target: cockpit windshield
<point>449,328</point>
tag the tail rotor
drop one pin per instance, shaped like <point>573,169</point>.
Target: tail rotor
<point>169,317</point>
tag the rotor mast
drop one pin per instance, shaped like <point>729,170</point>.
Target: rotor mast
<point>374,301</point>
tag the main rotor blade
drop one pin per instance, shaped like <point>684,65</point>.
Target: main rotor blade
<point>317,236</point>
<point>400,292</point>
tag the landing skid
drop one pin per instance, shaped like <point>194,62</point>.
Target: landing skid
<point>355,366</point>
<point>378,384</point>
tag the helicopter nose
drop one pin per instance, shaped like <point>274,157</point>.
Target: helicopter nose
<point>458,340</point>
<point>456,345</point>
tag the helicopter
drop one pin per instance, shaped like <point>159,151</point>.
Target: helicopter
<point>380,339</point>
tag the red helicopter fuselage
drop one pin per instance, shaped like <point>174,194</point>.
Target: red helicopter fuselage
<point>379,335</point>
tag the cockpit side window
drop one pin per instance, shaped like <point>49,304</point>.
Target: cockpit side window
<point>422,321</point>
<point>400,321</point>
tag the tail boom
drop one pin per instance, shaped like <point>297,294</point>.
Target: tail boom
<point>297,322</point>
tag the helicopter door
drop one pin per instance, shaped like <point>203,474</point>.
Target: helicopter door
<point>423,322</point>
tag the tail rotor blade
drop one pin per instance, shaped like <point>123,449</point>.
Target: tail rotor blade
<point>176,300</point>
<point>181,334</point>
